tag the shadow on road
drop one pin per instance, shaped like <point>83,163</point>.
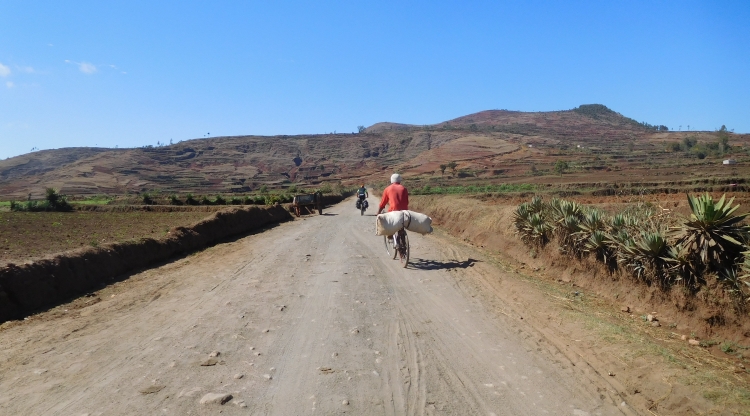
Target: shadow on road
<point>329,214</point>
<point>423,264</point>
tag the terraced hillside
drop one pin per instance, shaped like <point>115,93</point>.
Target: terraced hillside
<point>496,145</point>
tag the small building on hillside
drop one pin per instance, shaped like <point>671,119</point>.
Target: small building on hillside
<point>730,162</point>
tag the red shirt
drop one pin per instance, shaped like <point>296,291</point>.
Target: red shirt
<point>396,196</point>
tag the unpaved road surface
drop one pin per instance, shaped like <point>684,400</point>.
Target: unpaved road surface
<point>309,317</point>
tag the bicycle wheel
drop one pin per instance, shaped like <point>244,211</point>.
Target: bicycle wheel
<point>404,249</point>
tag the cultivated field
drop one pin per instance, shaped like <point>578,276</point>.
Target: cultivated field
<point>25,236</point>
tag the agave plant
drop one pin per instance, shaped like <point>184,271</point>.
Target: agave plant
<point>737,285</point>
<point>521,216</point>
<point>531,226</point>
<point>599,244</point>
<point>593,221</point>
<point>647,258</point>
<point>540,230</point>
<point>567,231</point>
<point>618,222</point>
<point>536,206</point>
<point>713,236</point>
<point>561,208</point>
<point>565,217</point>
<point>681,267</point>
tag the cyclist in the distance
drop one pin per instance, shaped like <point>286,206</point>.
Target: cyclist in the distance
<point>362,194</point>
<point>396,197</point>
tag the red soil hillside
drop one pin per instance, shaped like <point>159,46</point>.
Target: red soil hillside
<point>495,145</point>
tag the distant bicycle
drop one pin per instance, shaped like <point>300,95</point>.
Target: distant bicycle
<point>362,206</point>
<point>402,250</point>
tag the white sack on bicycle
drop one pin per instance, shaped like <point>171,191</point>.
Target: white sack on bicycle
<point>390,222</point>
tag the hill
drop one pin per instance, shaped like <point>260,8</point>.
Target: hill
<point>494,145</point>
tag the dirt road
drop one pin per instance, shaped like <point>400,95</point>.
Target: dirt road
<point>310,317</point>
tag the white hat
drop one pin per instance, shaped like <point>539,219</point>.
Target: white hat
<point>395,178</point>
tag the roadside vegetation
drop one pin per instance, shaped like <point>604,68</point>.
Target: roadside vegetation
<point>653,246</point>
<point>264,198</point>
<point>53,201</point>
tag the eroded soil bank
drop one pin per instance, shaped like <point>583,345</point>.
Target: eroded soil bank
<point>488,224</point>
<point>717,369</point>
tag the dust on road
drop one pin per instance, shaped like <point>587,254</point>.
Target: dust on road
<point>309,317</point>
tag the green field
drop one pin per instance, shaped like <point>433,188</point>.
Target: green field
<point>92,201</point>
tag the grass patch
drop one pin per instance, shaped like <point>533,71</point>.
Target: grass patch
<point>98,201</point>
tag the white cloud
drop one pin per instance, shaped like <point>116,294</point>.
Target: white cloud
<point>4,71</point>
<point>84,67</point>
<point>10,84</point>
<point>87,68</point>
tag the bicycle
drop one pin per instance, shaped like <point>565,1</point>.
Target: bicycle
<point>403,246</point>
<point>362,205</point>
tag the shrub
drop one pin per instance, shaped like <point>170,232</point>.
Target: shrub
<point>326,188</point>
<point>235,200</point>
<point>647,258</point>
<point>532,227</point>
<point>205,200</point>
<point>190,200</point>
<point>645,241</point>
<point>55,201</point>
<point>219,200</point>
<point>736,285</point>
<point>174,200</point>
<point>146,198</point>
<point>713,236</point>
<point>52,202</point>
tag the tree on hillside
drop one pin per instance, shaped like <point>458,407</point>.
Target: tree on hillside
<point>361,129</point>
<point>561,166</point>
<point>452,167</point>
<point>723,140</point>
<point>442,169</point>
<point>688,143</point>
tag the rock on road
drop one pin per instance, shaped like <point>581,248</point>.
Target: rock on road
<point>308,317</point>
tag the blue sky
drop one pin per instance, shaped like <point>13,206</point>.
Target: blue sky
<point>133,73</point>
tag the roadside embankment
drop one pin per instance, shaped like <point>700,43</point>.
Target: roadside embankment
<point>709,313</point>
<point>46,282</point>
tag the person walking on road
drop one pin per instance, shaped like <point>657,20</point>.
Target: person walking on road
<point>396,197</point>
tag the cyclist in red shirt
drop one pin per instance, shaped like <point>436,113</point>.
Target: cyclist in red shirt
<point>396,197</point>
